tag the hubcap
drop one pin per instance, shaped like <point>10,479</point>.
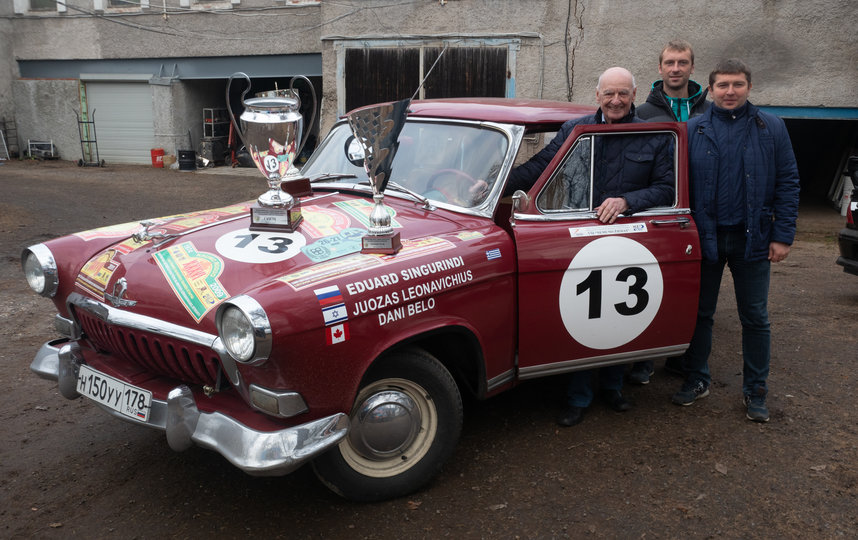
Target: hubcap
<point>385,424</point>
<point>393,426</point>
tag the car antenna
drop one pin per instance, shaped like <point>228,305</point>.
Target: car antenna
<point>428,73</point>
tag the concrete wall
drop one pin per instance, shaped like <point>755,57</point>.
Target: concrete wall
<point>44,110</point>
<point>802,53</point>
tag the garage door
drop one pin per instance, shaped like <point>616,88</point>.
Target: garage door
<point>123,120</point>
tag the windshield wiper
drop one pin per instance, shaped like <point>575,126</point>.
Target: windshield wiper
<point>332,176</point>
<point>399,187</point>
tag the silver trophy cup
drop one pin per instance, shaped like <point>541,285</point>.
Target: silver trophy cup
<point>271,129</point>
<point>377,131</point>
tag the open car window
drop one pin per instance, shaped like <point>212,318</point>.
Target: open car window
<point>597,164</point>
<point>444,162</point>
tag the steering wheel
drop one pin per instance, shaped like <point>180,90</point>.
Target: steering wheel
<point>451,197</point>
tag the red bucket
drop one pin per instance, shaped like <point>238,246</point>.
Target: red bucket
<point>158,158</point>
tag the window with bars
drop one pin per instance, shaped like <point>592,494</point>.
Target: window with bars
<point>379,74</point>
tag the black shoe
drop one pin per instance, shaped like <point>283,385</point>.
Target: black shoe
<point>571,416</point>
<point>615,400</point>
<point>673,365</point>
<point>641,372</point>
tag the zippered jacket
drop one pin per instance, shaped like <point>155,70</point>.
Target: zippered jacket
<point>638,168</point>
<point>770,179</point>
<point>657,107</point>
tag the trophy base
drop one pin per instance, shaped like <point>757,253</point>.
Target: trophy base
<point>299,187</point>
<point>266,218</point>
<point>386,244</point>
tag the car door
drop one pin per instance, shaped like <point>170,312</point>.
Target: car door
<point>593,294</point>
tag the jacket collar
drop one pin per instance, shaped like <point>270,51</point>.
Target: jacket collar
<point>600,118</point>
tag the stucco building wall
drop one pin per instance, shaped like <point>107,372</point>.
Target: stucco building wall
<point>802,53</point>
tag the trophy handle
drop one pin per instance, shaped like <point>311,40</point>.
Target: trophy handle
<point>312,111</point>
<point>229,108</point>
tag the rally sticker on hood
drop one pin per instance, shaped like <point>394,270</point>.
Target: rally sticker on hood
<point>361,209</point>
<point>96,273</point>
<point>260,247</point>
<point>193,276</point>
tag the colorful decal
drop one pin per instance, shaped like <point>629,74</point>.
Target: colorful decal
<point>346,242</point>
<point>193,276</point>
<point>276,159</point>
<point>262,247</point>
<point>337,333</point>
<point>493,254</point>
<point>604,230</point>
<point>174,223</point>
<point>335,314</point>
<point>325,271</point>
<point>127,246</point>
<point>96,273</point>
<point>469,235</point>
<point>360,210</point>
<point>113,231</point>
<point>320,222</point>
<point>610,293</point>
<point>359,262</point>
<point>420,247</point>
<point>333,306</point>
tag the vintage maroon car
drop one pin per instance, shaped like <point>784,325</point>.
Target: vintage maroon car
<point>278,349</point>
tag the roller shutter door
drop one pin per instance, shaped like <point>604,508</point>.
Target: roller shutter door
<point>123,120</point>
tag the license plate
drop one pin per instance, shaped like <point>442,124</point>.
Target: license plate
<point>109,391</point>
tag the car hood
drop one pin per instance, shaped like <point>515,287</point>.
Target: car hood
<point>180,268</point>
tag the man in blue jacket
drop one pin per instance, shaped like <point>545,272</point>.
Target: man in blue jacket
<point>631,173</point>
<point>744,195</point>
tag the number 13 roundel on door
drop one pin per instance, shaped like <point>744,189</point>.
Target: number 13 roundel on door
<point>610,293</point>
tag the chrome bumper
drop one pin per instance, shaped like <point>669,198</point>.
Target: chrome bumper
<point>259,453</point>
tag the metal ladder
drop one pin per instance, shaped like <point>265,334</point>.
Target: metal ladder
<point>4,155</point>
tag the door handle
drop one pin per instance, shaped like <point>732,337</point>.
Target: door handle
<point>681,221</point>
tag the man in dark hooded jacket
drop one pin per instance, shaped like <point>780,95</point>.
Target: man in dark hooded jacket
<point>674,98</point>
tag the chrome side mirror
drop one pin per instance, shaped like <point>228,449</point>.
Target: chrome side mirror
<point>520,203</point>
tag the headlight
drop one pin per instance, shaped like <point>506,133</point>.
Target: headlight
<point>40,269</point>
<point>244,329</point>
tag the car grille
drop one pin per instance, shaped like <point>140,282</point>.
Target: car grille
<point>155,353</point>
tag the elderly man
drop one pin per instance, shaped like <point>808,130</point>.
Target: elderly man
<point>614,192</point>
<point>631,173</point>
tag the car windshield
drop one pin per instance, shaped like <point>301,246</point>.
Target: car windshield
<point>449,163</point>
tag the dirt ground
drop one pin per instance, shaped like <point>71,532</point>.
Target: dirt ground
<point>67,470</point>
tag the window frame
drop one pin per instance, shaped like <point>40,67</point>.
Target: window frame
<point>586,213</point>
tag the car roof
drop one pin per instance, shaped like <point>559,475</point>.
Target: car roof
<point>532,113</point>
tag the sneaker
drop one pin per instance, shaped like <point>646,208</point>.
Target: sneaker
<point>641,372</point>
<point>757,410</point>
<point>690,392</point>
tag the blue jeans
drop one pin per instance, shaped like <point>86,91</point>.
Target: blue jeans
<point>580,391</point>
<point>751,283</point>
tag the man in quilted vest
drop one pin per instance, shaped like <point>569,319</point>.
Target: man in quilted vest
<point>744,196</point>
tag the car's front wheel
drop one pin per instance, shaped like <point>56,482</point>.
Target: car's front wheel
<point>405,424</point>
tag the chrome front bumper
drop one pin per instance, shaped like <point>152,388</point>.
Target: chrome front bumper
<point>259,453</point>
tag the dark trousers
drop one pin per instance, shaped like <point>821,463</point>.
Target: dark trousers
<point>751,283</point>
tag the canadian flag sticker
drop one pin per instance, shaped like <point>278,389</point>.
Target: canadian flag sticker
<point>337,333</point>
